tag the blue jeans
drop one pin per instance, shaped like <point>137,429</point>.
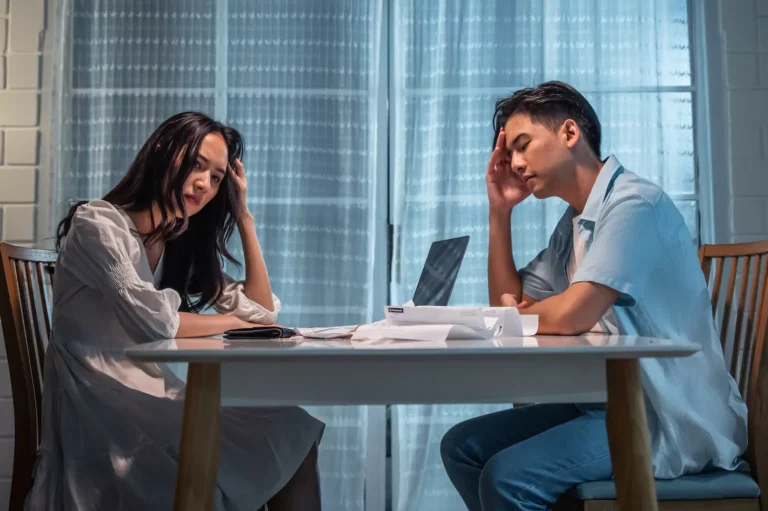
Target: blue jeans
<point>523,459</point>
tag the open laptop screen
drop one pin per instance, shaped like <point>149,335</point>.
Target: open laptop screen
<point>440,271</point>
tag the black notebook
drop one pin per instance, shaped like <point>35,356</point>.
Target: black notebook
<point>260,332</point>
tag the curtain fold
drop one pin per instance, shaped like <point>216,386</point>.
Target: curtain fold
<point>300,80</point>
<point>452,60</point>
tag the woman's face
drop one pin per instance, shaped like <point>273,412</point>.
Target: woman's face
<point>209,172</point>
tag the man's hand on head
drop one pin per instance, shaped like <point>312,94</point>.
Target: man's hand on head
<point>506,188</point>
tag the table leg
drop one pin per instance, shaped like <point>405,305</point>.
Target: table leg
<point>200,439</point>
<point>628,437</point>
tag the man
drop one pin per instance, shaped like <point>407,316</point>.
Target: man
<point>621,260</point>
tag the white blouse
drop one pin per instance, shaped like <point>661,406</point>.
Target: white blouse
<point>111,426</point>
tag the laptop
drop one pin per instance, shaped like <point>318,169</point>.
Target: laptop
<point>440,271</point>
<point>434,288</point>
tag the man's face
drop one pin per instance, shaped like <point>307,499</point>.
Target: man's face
<point>537,154</point>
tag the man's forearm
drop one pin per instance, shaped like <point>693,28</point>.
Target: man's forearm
<point>502,272</point>
<point>574,311</point>
<point>556,316</point>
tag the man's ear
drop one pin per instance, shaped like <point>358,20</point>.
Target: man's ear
<point>570,132</point>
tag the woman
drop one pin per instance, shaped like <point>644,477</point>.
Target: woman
<point>138,266</point>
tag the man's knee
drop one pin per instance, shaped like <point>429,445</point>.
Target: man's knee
<point>453,445</point>
<point>503,484</point>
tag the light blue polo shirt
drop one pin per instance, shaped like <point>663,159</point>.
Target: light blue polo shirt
<point>638,244</point>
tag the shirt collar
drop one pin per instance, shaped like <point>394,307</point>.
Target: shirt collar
<point>603,184</point>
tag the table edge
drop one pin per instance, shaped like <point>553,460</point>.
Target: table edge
<point>335,354</point>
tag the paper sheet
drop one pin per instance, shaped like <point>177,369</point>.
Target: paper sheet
<point>333,332</point>
<point>498,320</point>
<point>512,323</point>
<point>435,324</point>
<point>420,332</point>
<point>389,344</point>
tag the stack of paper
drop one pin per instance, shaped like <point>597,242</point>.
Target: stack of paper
<point>449,323</point>
<point>332,332</point>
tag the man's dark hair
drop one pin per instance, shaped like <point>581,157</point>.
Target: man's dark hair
<point>551,104</point>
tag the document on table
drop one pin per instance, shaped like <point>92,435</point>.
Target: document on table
<point>430,323</point>
<point>333,332</point>
<point>436,324</point>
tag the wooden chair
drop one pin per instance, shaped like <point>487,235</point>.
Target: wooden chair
<point>743,322</point>
<point>25,279</point>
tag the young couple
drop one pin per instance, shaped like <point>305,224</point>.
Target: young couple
<point>140,264</point>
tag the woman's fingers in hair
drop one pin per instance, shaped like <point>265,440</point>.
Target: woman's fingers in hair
<point>239,169</point>
<point>235,168</point>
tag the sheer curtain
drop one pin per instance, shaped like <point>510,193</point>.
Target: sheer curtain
<point>300,79</point>
<point>452,60</point>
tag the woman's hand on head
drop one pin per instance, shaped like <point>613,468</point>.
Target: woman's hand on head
<point>237,174</point>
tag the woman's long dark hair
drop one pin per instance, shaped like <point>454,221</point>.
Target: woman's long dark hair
<point>195,247</point>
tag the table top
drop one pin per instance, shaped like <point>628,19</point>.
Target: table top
<point>217,349</point>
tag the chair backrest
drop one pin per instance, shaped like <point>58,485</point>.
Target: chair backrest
<point>25,291</point>
<point>743,323</point>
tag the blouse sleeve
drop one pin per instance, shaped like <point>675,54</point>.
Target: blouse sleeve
<point>102,253</point>
<point>233,300</point>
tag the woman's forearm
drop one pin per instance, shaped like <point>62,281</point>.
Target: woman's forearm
<point>257,286</point>
<point>204,325</point>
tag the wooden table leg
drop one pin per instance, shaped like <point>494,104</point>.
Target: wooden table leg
<point>200,439</point>
<point>628,437</point>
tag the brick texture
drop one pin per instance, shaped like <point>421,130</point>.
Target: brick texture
<point>19,108</point>
<point>763,65</point>
<point>6,413</point>
<point>739,26</point>
<point>19,222</point>
<point>21,25</point>
<point>18,185</point>
<point>749,216</point>
<point>745,31</point>
<point>742,69</point>
<point>23,71</point>
<point>21,146</point>
<point>27,17</point>
<point>3,35</point>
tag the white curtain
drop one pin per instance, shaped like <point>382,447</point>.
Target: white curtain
<point>452,60</point>
<point>300,80</point>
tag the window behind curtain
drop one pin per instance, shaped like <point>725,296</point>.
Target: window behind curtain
<point>452,60</point>
<point>300,80</point>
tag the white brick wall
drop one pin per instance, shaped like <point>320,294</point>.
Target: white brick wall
<point>744,28</point>
<point>21,32</point>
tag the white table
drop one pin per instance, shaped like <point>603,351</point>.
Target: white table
<point>303,372</point>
